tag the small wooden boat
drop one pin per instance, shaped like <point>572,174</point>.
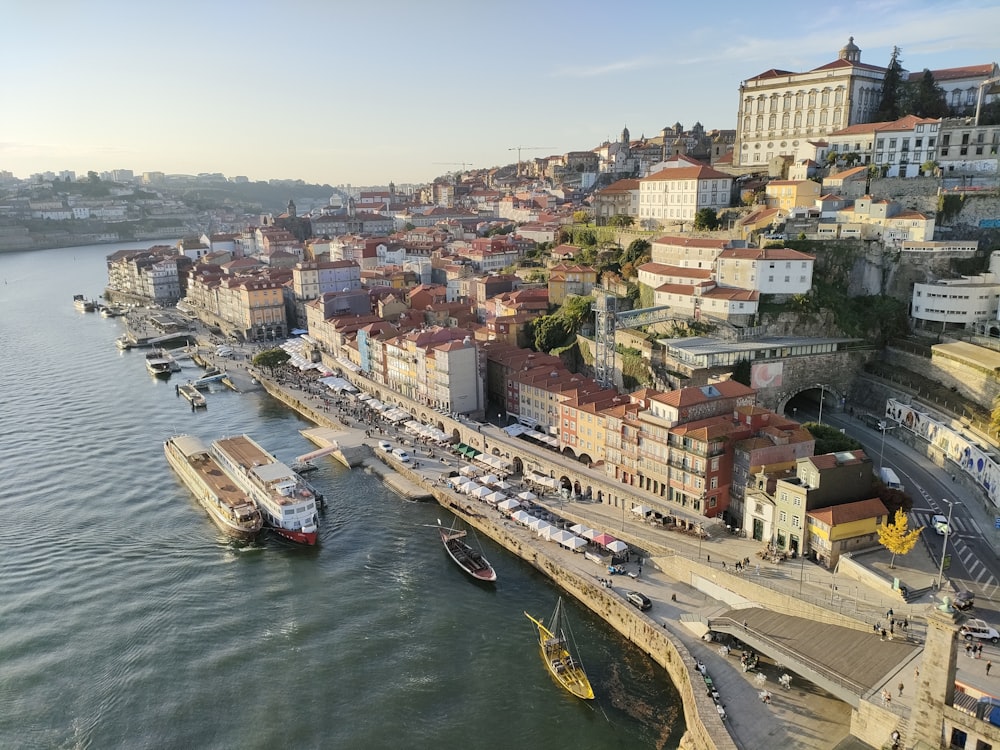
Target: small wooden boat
<point>554,646</point>
<point>468,559</point>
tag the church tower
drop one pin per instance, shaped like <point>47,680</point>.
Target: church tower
<point>291,209</point>
<point>936,683</point>
<point>625,137</point>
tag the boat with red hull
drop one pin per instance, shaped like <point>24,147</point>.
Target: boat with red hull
<point>468,559</point>
<point>287,504</point>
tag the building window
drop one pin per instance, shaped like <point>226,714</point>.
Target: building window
<point>782,517</point>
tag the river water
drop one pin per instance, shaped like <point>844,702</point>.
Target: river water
<point>128,621</point>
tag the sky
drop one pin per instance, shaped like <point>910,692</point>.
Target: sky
<point>361,93</point>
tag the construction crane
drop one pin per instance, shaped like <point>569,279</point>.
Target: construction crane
<point>519,149</point>
<point>462,164</point>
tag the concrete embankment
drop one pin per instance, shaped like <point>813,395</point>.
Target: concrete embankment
<point>705,728</point>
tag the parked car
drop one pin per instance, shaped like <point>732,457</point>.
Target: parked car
<point>964,600</point>
<point>978,629</point>
<point>401,456</point>
<point>638,600</point>
<point>385,446</point>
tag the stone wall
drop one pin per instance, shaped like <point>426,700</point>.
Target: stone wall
<point>874,724</point>
<point>976,384</point>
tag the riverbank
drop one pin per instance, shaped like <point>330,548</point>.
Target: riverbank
<point>802,718</point>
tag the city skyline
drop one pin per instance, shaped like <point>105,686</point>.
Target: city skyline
<point>412,91</point>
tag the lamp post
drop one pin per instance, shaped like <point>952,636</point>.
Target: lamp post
<point>944,544</point>
<point>822,393</point>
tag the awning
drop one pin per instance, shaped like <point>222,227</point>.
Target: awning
<point>642,510</point>
<point>604,539</point>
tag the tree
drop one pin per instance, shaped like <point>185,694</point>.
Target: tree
<point>576,311</point>
<point>636,249</point>
<point>830,439</point>
<point>929,167</point>
<point>892,88</point>
<point>621,220</point>
<point>271,359</point>
<point>581,217</point>
<point>925,98</point>
<point>549,332</point>
<point>706,218</point>
<point>852,158</point>
<point>831,158</point>
<point>896,537</point>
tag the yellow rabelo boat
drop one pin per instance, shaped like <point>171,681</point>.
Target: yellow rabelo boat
<point>554,647</point>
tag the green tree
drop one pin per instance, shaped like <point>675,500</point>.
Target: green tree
<point>576,311</point>
<point>271,359</point>
<point>549,332</point>
<point>831,158</point>
<point>741,372</point>
<point>621,220</point>
<point>636,249</point>
<point>896,537</point>
<point>581,217</point>
<point>706,218</point>
<point>92,176</point>
<point>925,98</point>
<point>830,440</point>
<point>852,158</point>
<point>929,167</point>
<point>892,89</point>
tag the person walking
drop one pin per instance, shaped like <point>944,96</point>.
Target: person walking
<point>989,666</point>
<point>901,690</point>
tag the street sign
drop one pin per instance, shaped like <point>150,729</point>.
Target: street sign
<point>947,562</point>
<point>996,522</point>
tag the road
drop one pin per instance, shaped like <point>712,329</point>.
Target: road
<point>973,562</point>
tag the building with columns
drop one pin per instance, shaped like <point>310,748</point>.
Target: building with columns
<point>781,112</point>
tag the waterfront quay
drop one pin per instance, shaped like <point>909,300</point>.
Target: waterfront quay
<point>671,633</point>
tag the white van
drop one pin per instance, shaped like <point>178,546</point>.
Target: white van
<point>401,456</point>
<point>889,479</point>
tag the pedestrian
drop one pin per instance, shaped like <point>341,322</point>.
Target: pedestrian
<point>888,615</point>
<point>723,564</point>
<point>883,634</point>
<point>968,650</point>
<point>916,673</point>
<point>708,558</point>
<point>901,690</point>
<point>989,665</point>
<point>744,625</point>
<point>979,651</point>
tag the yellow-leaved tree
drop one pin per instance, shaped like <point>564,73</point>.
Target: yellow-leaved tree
<point>896,536</point>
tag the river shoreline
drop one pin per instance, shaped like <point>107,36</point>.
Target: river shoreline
<point>705,729</point>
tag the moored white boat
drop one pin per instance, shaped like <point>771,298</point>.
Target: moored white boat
<point>159,363</point>
<point>228,506</point>
<point>287,504</point>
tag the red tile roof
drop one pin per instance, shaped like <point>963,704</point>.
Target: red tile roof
<point>687,173</point>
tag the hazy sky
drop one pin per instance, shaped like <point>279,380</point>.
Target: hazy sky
<point>366,92</point>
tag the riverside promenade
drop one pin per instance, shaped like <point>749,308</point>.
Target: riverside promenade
<point>801,717</point>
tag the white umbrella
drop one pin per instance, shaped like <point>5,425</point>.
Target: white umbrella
<point>617,546</point>
<point>574,542</point>
<point>527,496</point>
<point>508,504</point>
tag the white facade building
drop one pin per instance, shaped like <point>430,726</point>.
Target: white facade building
<point>964,301</point>
<point>676,194</point>
<point>781,112</point>
<point>774,270</point>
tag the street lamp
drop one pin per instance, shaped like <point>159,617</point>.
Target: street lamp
<point>822,392</point>
<point>944,544</point>
<point>884,428</point>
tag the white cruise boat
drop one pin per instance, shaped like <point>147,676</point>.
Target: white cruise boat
<point>287,504</point>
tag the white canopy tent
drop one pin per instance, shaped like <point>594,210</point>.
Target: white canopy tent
<point>502,485</point>
<point>527,496</point>
<point>490,479</point>
<point>522,517</point>
<point>469,471</point>
<point>589,534</point>
<point>481,492</point>
<point>537,523</point>
<point>495,497</point>
<point>574,543</point>
<point>508,504</point>
<point>560,535</point>
<point>642,510</point>
<point>544,530</point>
<point>618,546</point>
<point>579,528</point>
<point>469,487</point>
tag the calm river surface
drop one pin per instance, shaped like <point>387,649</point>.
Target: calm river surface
<point>128,621</point>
